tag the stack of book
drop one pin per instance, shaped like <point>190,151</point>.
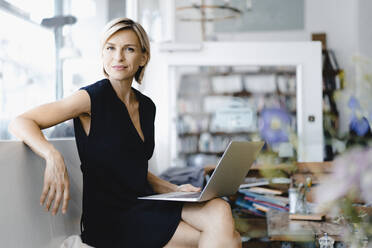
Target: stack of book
<point>259,200</point>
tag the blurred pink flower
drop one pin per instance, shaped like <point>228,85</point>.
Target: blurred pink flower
<point>351,176</point>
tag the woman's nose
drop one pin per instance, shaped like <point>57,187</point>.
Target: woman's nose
<point>119,55</point>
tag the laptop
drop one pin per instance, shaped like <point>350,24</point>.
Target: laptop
<point>230,172</point>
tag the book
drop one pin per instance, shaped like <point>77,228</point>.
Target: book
<point>261,208</point>
<point>283,199</point>
<point>264,198</point>
<point>261,190</point>
<point>247,211</point>
<point>252,182</point>
<point>248,206</point>
<point>266,204</point>
<point>248,185</point>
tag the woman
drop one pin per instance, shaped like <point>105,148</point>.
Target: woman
<point>114,130</point>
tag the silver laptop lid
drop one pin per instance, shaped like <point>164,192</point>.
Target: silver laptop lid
<point>232,169</point>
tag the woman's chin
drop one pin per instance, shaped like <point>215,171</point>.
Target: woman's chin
<point>116,77</point>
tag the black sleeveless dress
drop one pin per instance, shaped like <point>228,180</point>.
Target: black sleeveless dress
<point>114,162</point>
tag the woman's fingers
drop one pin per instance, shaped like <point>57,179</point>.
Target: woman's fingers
<point>66,198</point>
<point>57,200</point>
<point>52,193</point>
<point>44,193</point>
<point>193,188</point>
<point>188,188</point>
<point>56,184</point>
<point>56,196</point>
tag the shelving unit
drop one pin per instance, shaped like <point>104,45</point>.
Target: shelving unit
<point>168,67</point>
<point>217,104</point>
<point>333,80</point>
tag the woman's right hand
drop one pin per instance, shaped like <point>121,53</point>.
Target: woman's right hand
<point>56,184</point>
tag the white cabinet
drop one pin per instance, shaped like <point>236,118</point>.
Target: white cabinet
<point>217,104</point>
<point>161,85</point>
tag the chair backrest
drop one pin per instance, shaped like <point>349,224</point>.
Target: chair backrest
<point>23,222</point>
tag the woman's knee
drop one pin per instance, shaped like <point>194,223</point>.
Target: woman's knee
<point>219,209</point>
<point>219,206</point>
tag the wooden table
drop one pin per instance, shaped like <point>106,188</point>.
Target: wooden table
<point>281,228</point>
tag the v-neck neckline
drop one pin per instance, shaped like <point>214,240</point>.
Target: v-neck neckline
<point>138,97</point>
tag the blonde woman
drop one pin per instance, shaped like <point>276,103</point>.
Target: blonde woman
<point>114,131</point>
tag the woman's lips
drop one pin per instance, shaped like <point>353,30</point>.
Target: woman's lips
<point>119,67</point>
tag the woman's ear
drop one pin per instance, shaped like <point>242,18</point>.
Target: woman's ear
<point>144,59</point>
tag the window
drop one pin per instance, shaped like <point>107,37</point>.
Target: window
<point>27,59</point>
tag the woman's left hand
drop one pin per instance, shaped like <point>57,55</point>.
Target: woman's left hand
<point>187,188</point>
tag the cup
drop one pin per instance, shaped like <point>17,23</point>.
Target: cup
<point>293,199</point>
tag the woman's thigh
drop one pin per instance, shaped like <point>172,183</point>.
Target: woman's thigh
<point>185,236</point>
<point>215,213</point>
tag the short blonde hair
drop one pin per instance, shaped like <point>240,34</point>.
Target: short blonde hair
<point>118,24</point>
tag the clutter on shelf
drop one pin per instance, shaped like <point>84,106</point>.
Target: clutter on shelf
<point>217,104</point>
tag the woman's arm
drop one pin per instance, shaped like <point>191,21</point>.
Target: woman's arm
<point>27,127</point>
<point>161,186</point>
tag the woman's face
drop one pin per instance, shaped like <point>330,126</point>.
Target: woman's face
<point>122,55</point>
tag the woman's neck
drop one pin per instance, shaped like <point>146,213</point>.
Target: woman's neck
<point>123,89</point>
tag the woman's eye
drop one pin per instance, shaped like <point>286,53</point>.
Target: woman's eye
<point>130,49</point>
<point>109,48</point>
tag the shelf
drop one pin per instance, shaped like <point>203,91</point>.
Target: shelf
<point>269,71</point>
<point>218,133</point>
<point>193,114</point>
<point>243,93</point>
<point>203,84</point>
<point>293,112</point>
<point>189,134</point>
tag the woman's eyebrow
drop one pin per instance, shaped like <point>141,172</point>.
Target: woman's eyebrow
<point>131,45</point>
<point>113,44</point>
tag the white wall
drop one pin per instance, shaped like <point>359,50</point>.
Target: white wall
<point>348,28</point>
<point>364,28</point>
<point>347,24</point>
<point>337,18</point>
<point>186,31</point>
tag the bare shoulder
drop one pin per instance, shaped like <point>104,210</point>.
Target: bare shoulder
<point>78,103</point>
